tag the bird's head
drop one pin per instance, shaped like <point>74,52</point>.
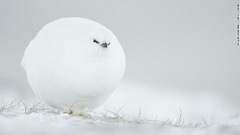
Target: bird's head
<point>103,44</point>
<point>102,37</point>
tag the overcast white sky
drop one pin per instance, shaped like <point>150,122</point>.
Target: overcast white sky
<point>188,45</point>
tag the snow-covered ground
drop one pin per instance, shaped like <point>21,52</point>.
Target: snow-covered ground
<point>62,124</point>
<point>134,108</point>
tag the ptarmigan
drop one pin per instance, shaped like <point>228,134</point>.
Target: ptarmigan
<point>74,64</point>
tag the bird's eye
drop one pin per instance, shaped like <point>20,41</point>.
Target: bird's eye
<point>95,41</point>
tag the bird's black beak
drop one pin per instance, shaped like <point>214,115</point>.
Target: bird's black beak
<point>105,45</point>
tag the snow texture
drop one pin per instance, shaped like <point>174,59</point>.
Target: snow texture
<point>147,113</point>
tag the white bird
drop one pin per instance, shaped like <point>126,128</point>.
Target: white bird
<point>74,64</point>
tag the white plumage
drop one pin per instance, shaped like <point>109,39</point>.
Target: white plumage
<point>74,64</point>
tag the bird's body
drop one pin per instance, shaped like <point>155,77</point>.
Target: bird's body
<point>74,64</point>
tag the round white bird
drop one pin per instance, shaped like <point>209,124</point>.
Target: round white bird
<point>74,64</point>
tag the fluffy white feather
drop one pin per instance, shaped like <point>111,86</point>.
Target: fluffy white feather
<point>68,66</point>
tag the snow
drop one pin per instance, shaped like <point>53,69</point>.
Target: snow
<point>135,108</point>
<point>62,124</point>
<point>134,97</point>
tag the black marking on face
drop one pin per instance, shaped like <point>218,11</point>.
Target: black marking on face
<point>105,44</point>
<point>95,41</point>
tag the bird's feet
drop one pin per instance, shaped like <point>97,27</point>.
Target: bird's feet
<point>79,112</point>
